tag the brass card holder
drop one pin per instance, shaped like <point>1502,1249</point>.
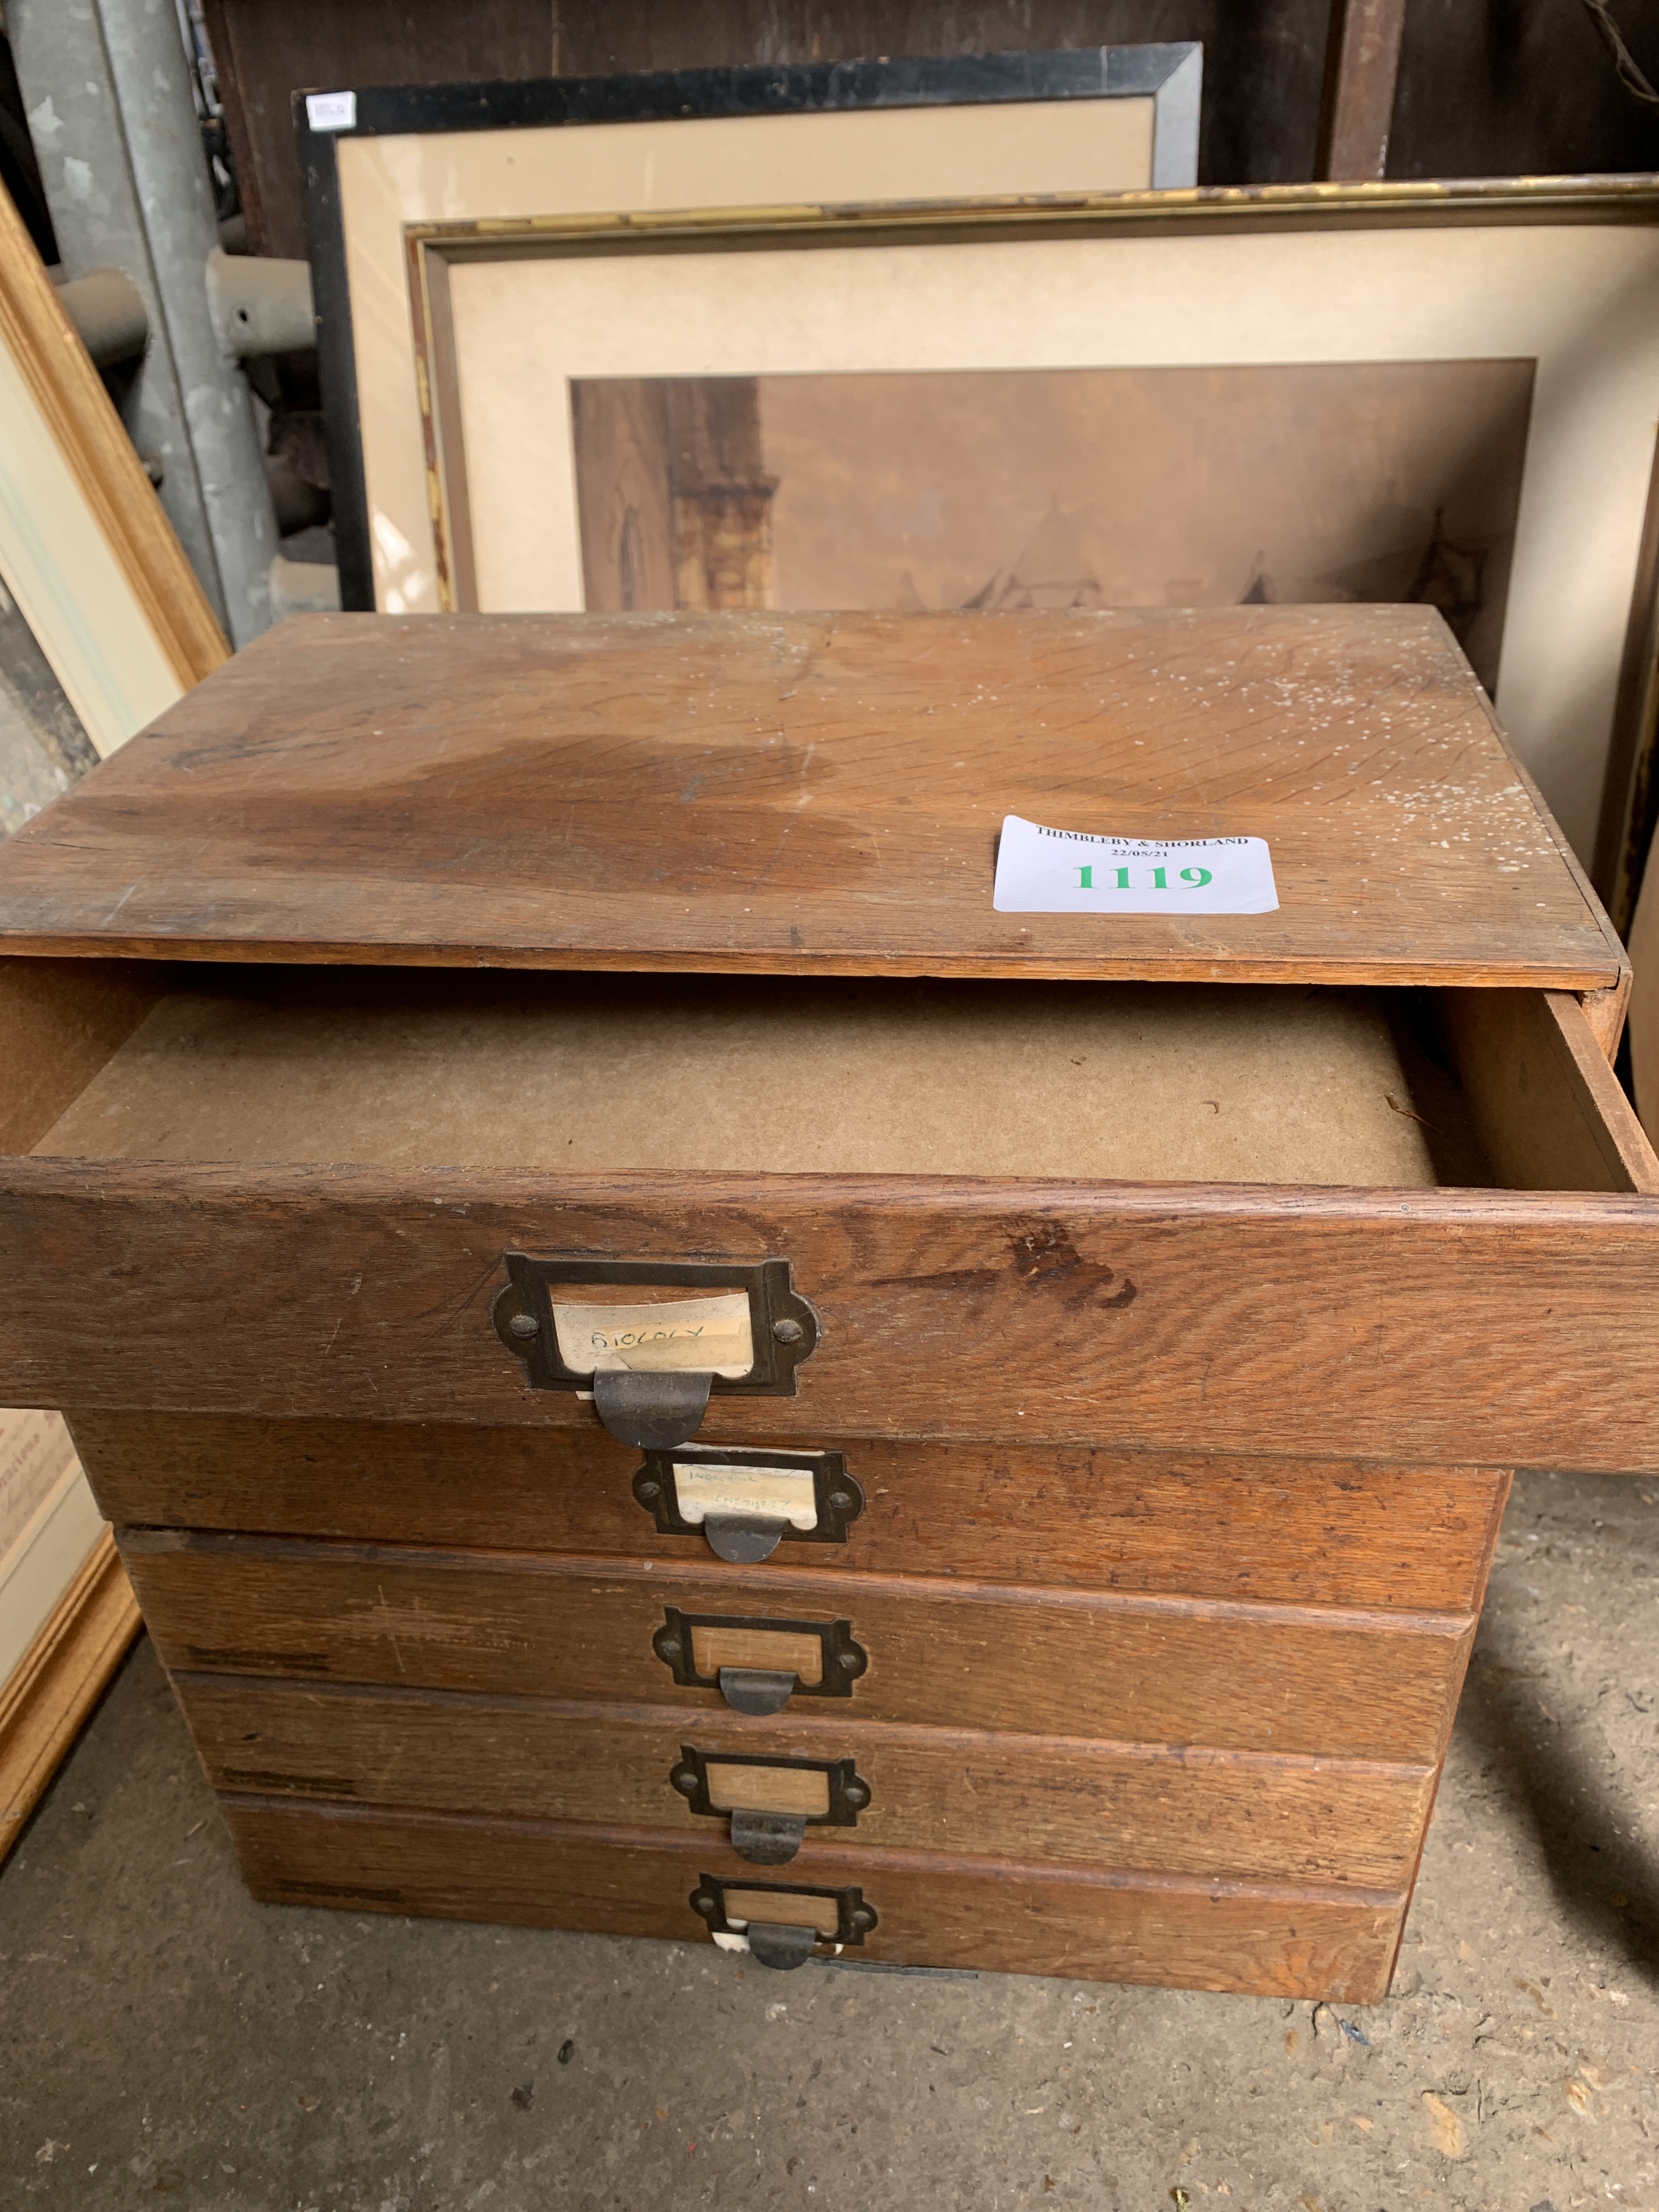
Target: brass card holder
<point>783,1923</point>
<point>745,1503</point>
<point>770,1802</point>
<point>651,1364</point>
<point>759,1663</point>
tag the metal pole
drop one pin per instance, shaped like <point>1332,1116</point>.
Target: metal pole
<point>74,121</point>
<point>146,52</point>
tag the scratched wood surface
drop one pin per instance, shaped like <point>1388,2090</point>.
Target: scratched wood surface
<point>998,1915</point>
<point>1146,1805</point>
<point>815,794</point>
<point>962,1655</point>
<point>1301,1531</point>
<point>1433,1327</point>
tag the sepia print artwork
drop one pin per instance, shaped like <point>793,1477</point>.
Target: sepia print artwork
<point>1059,487</point>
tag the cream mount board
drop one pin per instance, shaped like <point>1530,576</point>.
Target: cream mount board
<point>59,568</point>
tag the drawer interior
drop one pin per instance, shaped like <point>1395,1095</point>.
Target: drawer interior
<point>1135,1081</point>
<point>1148,1083</point>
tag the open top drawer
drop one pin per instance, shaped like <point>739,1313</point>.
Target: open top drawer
<point>1245,1218</point>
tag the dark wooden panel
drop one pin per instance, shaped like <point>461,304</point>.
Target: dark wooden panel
<point>933,1910</point>
<point>1481,92</point>
<point>959,1655</point>
<point>1262,71</point>
<point>1518,91</point>
<point>1261,66</point>
<point>1432,1326</point>
<point>1222,1814</point>
<point>1301,1533</point>
<point>1362,62</point>
<point>266,54</point>
<point>770,794</point>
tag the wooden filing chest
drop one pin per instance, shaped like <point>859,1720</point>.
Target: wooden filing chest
<point>1120,1329</point>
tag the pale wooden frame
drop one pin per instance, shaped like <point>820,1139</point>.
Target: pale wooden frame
<point>85,548</point>
<point>49,1693</point>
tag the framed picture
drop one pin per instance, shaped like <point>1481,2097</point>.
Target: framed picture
<point>1101,120</point>
<point>1432,392</point>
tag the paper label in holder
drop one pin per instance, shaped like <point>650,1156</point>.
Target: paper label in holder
<point>710,1333</point>
<point>1043,870</point>
<point>745,1493</point>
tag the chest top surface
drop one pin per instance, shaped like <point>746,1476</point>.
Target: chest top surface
<point>765,794</point>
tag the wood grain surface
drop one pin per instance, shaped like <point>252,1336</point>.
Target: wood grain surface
<point>60,1022</point>
<point>1432,1327</point>
<point>1307,1533</point>
<point>1549,1109</point>
<point>795,795</point>
<point>1605,1011</point>
<point>997,1916</point>
<point>957,1655</point>
<point>1362,63</point>
<point>1206,1813</point>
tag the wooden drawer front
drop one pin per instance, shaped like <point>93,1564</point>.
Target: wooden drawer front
<point>964,1655</point>
<point>1504,1317</point>
<point>1003,1917</point>
<point>1291,1531</point>
<point>1021,1797</point>
<point>1434,1327</point>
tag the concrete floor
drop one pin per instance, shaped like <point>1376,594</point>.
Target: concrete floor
<point>163,2040</point>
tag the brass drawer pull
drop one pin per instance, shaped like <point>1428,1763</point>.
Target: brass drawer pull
<point>771,1801</point>
<point>757,1689</point>
<point>757,1664</point>
<point>767,1838</point>
<point>781,1923</point>
<point>746,1503</point>
<point>649,1410</point>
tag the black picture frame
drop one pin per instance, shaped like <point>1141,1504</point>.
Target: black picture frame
<point>1170,75</point>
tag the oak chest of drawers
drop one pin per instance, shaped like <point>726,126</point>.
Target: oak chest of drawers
<point>660,1367</point>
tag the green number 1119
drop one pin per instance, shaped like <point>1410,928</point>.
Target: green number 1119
<point>1195,878</point>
